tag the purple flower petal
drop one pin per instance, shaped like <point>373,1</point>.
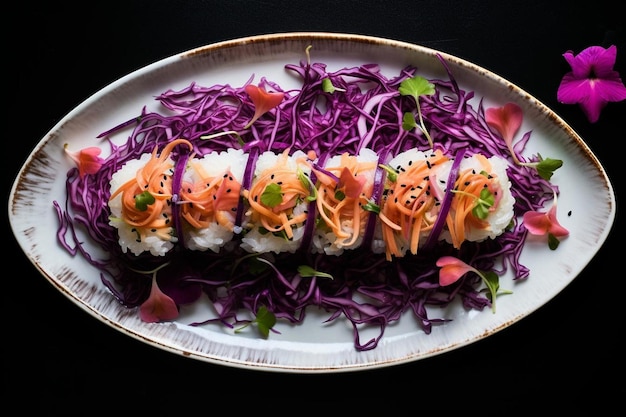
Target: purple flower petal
<point>592,83</point>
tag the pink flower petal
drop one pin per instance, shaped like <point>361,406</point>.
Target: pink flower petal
<point>555,227</point>
<point>87,160</point>
<point>353,184</point>
<point>263,101</point>
<point>536,222</point>
<point>158,307</point>
<point>452,269</point>
<point>507,120</point>
<point>541,224</point>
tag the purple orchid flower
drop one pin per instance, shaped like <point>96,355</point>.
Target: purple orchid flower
<point>593,82</point>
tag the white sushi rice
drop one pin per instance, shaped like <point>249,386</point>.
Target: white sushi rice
<point>260,242</point>
<point>439,174</point>
<point>214,164</point>
<point>127,234</point>
<point>326,241</point>
<point>500,218</point>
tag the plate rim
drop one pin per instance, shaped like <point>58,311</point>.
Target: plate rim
<point>281,37</point>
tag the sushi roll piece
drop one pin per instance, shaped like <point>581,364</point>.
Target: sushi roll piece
<point>278,202</point>
<point>141,203</point>
<point>210,195</point>
<point>412,199</point>
<point>344,188</point>
<point>482,204</point>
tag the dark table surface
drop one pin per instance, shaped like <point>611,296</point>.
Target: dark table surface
<point>565,356</point>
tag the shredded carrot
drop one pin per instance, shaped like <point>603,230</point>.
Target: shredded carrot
<point>279,217</point>
<point>339,203</point>
<point>209,199</point>
<point>410,208</point>
<point>154,177</point>
<point>470,183</point>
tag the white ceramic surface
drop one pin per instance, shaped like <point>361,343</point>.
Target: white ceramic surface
<point>313,346</point>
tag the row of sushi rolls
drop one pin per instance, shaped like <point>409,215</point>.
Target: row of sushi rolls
<point>284,188</point>
<point>290,191</point>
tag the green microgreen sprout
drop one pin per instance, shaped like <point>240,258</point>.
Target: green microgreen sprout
<point>415,87</point>
<point>264,320</point>
<point>482,203</point>
<point>492,281</point>
<point>507,120</point>
<point>308,54</point>
<point>371,206</point>
<point>546,167</point>
<point>224,133</point>
<point>328,87</point>
<point>392,174</point>
<point>553,241</point>
<point>143,200</point>
<point>307,271</point>
<point>305,180</point>
<point>452,269</point>
<point>272,195</point>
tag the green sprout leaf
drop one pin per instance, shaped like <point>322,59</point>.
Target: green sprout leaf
<point>371,206</point>
<point>328,87</point>
<point>143,200</point>
<point>392,174</point>
<point>553,241</point>
<point>305,180</point>
<point>408,121</point>
<point>307,271</point>
<point>272,195</point>
<point>264,321</point>
<point>546,167</point>
<point>225,133</point>
<point>492,281</point>
<point>483,204</point>
<point>415,87</point>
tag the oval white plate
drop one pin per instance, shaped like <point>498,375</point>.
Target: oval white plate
<point>313,346</point>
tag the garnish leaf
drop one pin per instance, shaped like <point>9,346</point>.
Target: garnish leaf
<point>546,167</point>
<point>553,241</point>
<point>371,206</point>
<point>307,271</point>
<point>416,86</point>
<point>264,320</point>
<point>143,200</point>
<point>328,87</point>
<point>408,121</point>
<point>486,201</point>
<point>272,195</point>
<point>392,174</point>
<point>305,180</point>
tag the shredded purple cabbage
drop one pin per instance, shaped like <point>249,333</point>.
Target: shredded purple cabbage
<point>367,289</point>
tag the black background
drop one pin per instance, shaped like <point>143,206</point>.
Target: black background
<point>566,356</point>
